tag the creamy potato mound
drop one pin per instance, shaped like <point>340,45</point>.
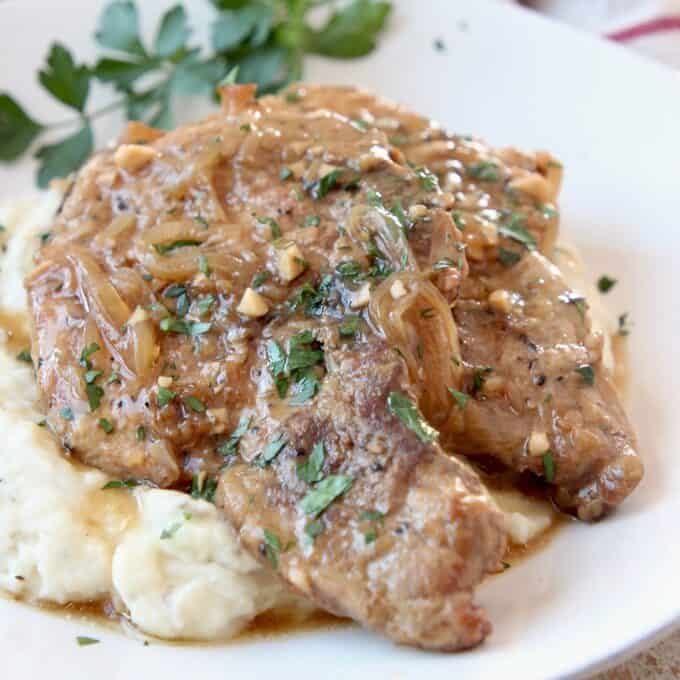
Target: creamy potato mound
<point>167,562</point>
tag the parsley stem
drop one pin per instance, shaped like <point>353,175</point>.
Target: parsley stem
<point>88,117</point>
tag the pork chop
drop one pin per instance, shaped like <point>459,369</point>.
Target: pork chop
<point>536,395</point>
<point>200,321</point>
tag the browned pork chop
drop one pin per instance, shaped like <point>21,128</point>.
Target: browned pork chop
<point>536,395</point>
<point>200,312</point>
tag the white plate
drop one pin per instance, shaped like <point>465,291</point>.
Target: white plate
<point>596,592</point>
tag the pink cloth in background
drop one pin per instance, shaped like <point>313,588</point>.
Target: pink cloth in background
<point>652,27</point>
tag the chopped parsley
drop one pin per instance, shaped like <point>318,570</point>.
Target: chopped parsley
<point>374,198</point>
<point>587,373</point>
<point>479,377</point>
<point>170,530</point>
<point>428,180</point>
<point>66,413</point>
<point>324,493</point>
<point>485,171</point>
<point>171,325</point>
<point>372,516</point>
<point>174,290</point>
<point>194,403</point>
<point>259,279</point>
<point>165,396</point>
<point>312,221</point>
<point>271,450</point>
<point>229,447</point>
<point>317,190</point>
<point>87,353</point>
<point>605,283</point>
<point>350,269</point>
<point>84,641</point>
<point>25,356</point>
<point>205,303</point>
<point>404,409</point>
<point>460,397</point>
<point>273,225</point>
<point>164,249</point>
<point>272,547</point>
<point>204,487</point>
<point>140,433</point>
<point>370,536</point>
<point>121,484</point>
<point>348,328</point>
<point>94,395</point>
<point>549,467</point>
<point>106,425</point>
<point>203,265</point>
<point>311,470</point>
<point>314,528</point>
<point>91,376</point>
<point>508,258</point>
<point>516,230</point>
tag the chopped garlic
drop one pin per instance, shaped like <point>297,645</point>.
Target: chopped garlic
<point>500,301</point>
<point>133,157</point>
<point>361,297</point>
<point>290,262</point>
<point>397,290</point>
<point>538,443</point>
<point>417,211</point>
<point>139,315</point>
<point>252,304</point>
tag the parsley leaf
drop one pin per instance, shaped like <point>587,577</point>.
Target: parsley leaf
<point>119,28</point>
<point>165,396</point>
<point>324,493</point>
<point>165,248</point>
<point>549,467</point>
<point>194,403</point>
<point>65,81</point>
<point>65,157</point>
<point>230,447</point>
<point>121,484</point>
<point>311,470</point>
<point>587,373</point>
<point>404,409</point>
<point>485,171</point>
<point>84,641</point>
<point>271,450</point>
<point>460,397</point>
<point>351,31</point>
<point>17,129</point>
<point>605,283</point>
<point>173,32</point>
<point>514,229</point>
<point>272,547</point>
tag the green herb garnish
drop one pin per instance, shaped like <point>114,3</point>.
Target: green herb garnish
<point>485,171</point>
<point>272,547</point>
<point>194,404</point>
<point>106,425</point>
<point>311,470</point>
<point>549,467</point>
<point>251,41</point>
<point>84,641</point>
<point>164,396</point>
<point>94,395</point>
<point>314,529</point>
<point>460,397</point>
<point>121,484</point>
<point>271,450</point>
<point>324,493</point>
<point>515,229</point>
<point>404,409</point>
<point>165,248</point>
<point>140,433</point>
<point>587,373</point>
<point>317,190</point>
<point>605,283</point>
<point>204,487</point>
<point>229,447</point>
<point>87,353</point>
<point>25,356</point>
<point>508,258</point>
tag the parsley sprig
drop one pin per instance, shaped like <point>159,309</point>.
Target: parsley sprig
<point>266,40</point>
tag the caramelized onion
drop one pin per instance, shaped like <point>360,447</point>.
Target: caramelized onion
<point>416,320</point>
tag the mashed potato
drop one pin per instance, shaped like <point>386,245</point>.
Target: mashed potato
<point>169,563</point>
